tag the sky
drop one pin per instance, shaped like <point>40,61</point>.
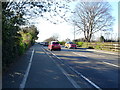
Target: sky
<point>65,30</point>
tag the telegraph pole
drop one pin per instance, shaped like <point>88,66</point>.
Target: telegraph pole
<point>74,32</point>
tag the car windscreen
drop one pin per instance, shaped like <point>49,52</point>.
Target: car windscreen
<point>55,43</point>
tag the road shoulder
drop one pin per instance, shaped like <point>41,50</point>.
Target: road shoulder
<point>14,75</point>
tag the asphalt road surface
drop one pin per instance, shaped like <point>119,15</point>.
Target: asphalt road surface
<point>68,68</point>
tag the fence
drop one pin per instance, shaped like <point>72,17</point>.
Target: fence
<point>111,46</point>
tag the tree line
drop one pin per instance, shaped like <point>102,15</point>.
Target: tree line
<point>15,40</point>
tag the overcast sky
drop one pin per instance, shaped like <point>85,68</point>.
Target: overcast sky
<point>65,30</point>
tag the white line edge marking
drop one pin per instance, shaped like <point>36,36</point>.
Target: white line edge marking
<point>22,85</point>
<point>65,73</point>
<point>82,75</point>
<point>110,64</point>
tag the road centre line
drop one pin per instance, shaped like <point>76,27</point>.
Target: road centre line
<point>64,72</point>
<point>103,61</point>
<point>79,54</point>
<point>81,74</point>
<point>103,51</point>
<point>87,55</point>
<point>111,64</point>
<point>22,85</point>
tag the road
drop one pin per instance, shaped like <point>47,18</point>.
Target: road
<point>68,68</point>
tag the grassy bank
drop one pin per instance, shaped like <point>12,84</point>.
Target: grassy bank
<point>109,46</point>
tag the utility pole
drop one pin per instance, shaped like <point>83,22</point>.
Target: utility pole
<point>74,32</point>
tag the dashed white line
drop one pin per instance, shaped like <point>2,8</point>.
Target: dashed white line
<point>96,86</point>
<point>111,64</point>
<point>79,54</point>
<point>22,85</point>
<point>88,55</point>
<point>69,78</point>
<point>64,72</point>
<point>102,51</point>
<point>103,61</point>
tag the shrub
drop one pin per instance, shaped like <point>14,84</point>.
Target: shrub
<point>79,44</point>
<point>97,47</point>
<point>62,43</point>
<point>85,45</point>
<point>21,48</point>
<point>90,47</point>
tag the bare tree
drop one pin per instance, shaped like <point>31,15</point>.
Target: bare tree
<point>91,17</point>
<point>54,37</point>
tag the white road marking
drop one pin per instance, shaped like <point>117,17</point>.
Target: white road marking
<point>91,82</point>
<point>103,61</point>
<point>79,54</point>
<point>55,55</point>
<point>86,79</point>
<point>64,72</point>
<point>102,51</point>
<point>111,64</point>
<point>69,78</point>
<point>22,85</point>
<point>88,55</point>
<point>96,86</point>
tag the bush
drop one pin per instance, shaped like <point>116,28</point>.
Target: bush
<point>62,43</point>
<point>79,44</point>
<point>90,47</point>
<point>22,48</point>
<point>97,47</point>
